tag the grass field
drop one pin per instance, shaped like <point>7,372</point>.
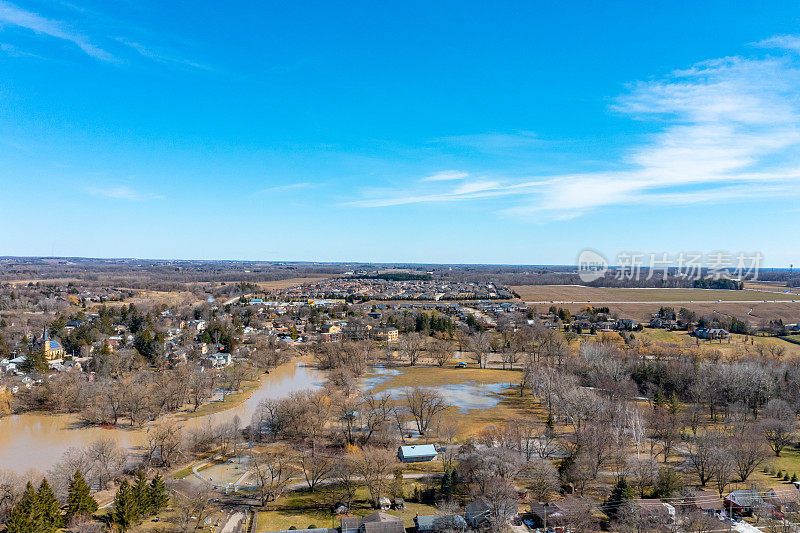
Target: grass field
<point>506,402</point>
<point>736,346</point>
<point>642,303</point>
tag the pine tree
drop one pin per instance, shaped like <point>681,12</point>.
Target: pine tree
<point>446,489</point>
<point>79,498</point>
<point>141,495</point>
<point>621,493</point>
<point>125,511</point>
<point>49,508</point>
<point>158,497</point>
<point>24,517</point>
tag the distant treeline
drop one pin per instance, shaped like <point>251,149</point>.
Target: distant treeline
<point>721,283</point>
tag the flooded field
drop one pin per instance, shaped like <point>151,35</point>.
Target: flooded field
<point>34,441</point>
<point>464,396</point>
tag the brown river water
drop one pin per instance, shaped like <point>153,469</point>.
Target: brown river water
<point>34,441</point>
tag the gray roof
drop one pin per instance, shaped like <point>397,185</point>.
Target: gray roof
<point>439,522</point>
<point>478,507</point>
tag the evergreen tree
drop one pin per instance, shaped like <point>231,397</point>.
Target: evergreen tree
<point>79,498</point>
<point>158,497</point>
<point>446,489</point>
<point>125,512</point>
<point>621,494</point>
<point>141,495</point>
<point>49,508</point>
<point>25,517</point>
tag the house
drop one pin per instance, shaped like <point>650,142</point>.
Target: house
<point>389,334</point>
<point>217,360</point>
<point>628,324</point>
<point>417,453</point>
<point>744,501</point>
<point>707,501</point>
<point>437,523</point>
<point>374,314</point>
<point>655,512</point>
<point>711,333</point>
<point>380,522</point>
<point>557,514</point>
<point>784,501</point>
<point>663,323</point>
<point>384,503</point>
<point>478,512</point>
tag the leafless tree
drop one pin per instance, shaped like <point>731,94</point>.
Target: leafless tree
<point>272,470</point>
<point>316,468</point>
<point>424,404</point>
<point>106,460</point>
<point>410,347</point>
<point>373,465</point>
<point>479,346</point>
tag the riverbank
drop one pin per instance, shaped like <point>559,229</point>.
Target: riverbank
<point>37,441</point>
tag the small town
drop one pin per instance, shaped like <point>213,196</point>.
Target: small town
<point>399,267</point>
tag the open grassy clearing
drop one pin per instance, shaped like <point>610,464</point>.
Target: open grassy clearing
<point>771,286</point>
<point>577,293</point>
<point>736,346</point>
<point>432,376</point>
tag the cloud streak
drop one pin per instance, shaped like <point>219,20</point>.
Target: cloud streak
<point>122,192</point>
<point>16,16</point>
<point>730,133</point>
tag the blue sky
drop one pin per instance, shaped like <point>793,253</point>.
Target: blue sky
<point>520,132</point>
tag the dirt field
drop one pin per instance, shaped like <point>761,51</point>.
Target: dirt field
<point>291,282</point>
<point>640,304</point>
<point>581,294</point>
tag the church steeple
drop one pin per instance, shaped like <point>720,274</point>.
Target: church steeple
<point>45,336</point>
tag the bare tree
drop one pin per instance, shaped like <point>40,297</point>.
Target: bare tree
<point>106,460</point>
<point>479,345</point>
<point>442,352</point>
<point>541,477</point>
<point>779,425</point>
<point>410,347</point>
<point>193,507</point>
<point>272,470</point>
<point>373,465</point>
<point>315,468</point>
<point>424,404</point>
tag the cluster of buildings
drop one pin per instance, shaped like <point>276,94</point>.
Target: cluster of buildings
<point>365,288</point>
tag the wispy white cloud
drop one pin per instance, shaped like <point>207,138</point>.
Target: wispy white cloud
<point>285,187</point>
<point>446,175</point>
<point>122,192</point>
<point>166,58</point>
<point>787,42</point>
<point>14,51</point>
<point>730,133</point>
<point>16,16</point>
